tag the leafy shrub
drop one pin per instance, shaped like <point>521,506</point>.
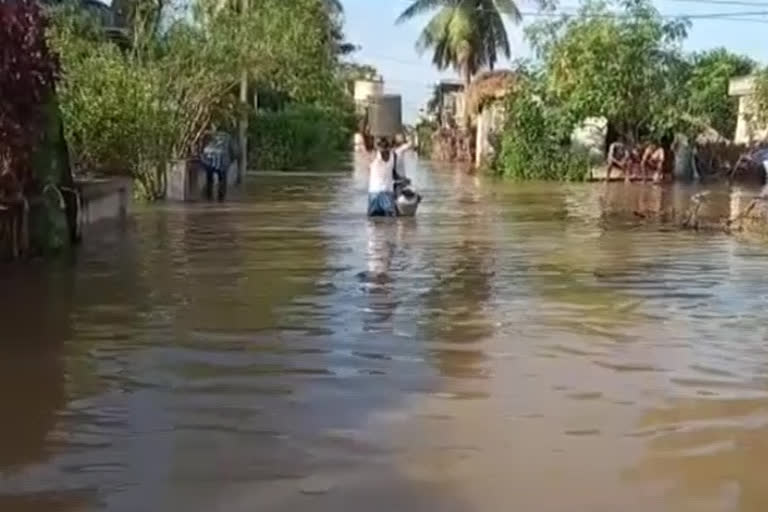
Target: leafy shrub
<point>27,75</point>
<point>535,142</point>
<point>299,136</point>
<point>131,113</point>
<point>134,111</point>
<point>425,130</point>
<point>116,119</point>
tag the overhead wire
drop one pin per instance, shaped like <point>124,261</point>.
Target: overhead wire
<point>736,16</point>
<point>559,11</point>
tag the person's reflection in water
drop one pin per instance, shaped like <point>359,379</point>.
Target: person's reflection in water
<point>377,279</point>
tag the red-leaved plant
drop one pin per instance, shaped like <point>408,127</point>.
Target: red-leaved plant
<point>27,75</point>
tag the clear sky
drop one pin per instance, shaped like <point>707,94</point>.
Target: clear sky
<point>390,47</point>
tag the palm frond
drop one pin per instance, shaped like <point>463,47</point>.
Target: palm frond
<point>508,8</point>
<point>334,6</point>
<point>419,7</point>
<point>495,36</point>
<point>464,34</point>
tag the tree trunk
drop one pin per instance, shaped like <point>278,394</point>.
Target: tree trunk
<point>243,135</point>
<point>467,79</point>
<point>53,209</point>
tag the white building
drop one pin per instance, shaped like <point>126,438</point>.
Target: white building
<point>746,131</point>
<point>365,89</point>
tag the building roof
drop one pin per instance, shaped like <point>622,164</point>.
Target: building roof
<point>448,85</point>
<point>489,86</point>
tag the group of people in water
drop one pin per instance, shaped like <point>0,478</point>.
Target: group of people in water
<point>654,161</point>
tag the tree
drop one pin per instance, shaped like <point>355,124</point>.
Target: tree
<point>620,60</point>
<point>27,75</point>
<point>34,163</point>
<point>466,35</point>
<point>759,117</point>
<point>336,12</point>
<point>134,112</point>
<point>709,74</point>
<point>351,71</point>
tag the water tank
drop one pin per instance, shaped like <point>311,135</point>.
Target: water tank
<point>364,89</point>
<point>385,116</point>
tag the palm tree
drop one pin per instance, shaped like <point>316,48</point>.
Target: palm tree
<point>335,10</point>
<point>464,34</point>
<point>334,6</point>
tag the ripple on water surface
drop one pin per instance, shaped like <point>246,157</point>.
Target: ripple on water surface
<point>281,352</point>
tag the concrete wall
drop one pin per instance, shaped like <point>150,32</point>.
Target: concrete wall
<point>452,107</point>
<point>490,120</point>
<point>364,89</point>
<point>746,131</point>
<point>590,137</point>
<point>103,201</point>
<point>186,180</point>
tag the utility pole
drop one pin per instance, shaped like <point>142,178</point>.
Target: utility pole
<point>244,115</point>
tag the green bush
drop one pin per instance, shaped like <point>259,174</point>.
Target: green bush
<point>131,113</point>
<point>134,110</point>
<point>425,130</point>
<point>535,142</point>
<point>115,117</point>
<point>299,136</point>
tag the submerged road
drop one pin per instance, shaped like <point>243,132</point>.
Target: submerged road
<point>504,350</point>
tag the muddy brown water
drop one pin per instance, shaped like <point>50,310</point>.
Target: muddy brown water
<point>508,349</point>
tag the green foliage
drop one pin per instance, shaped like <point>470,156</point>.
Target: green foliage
<point>760,99</point>
<point>535,141</point>
<point>115,119</point>
<point>27,75</point>
<point>465,34</point>
<point>707,87</point>
<point>300,136</point>
<point>623,66</point>
<point>424,131</point>
<point>133,112</point>
<point>620,60</point>
<point>349,72</point>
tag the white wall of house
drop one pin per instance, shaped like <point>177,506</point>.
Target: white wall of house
<point>490,120</point>
<point>364,89</point>
<point>746,131</point>
<point>590,136</point>
<point>453,105</point>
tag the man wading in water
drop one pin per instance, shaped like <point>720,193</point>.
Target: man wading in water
<point>381,181</point>
<point>217,156</point>
<point>386,176</point>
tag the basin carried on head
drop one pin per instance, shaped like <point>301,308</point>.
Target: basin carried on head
<point>385,115</point>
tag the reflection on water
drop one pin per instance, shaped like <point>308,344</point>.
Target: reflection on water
<point>512,347</point>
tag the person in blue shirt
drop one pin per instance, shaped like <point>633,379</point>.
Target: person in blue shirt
<point>217,155</point>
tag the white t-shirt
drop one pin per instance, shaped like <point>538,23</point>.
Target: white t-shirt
<point>380,176</point>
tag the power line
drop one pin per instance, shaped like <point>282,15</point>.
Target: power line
<point>739,3</point>
<point>748,3</point>
<point>737,19</point>
<point>575,10</point>
<point>619,15</point>
<point>731,16</point>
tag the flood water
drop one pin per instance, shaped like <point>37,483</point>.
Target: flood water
<point>505,350</point>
